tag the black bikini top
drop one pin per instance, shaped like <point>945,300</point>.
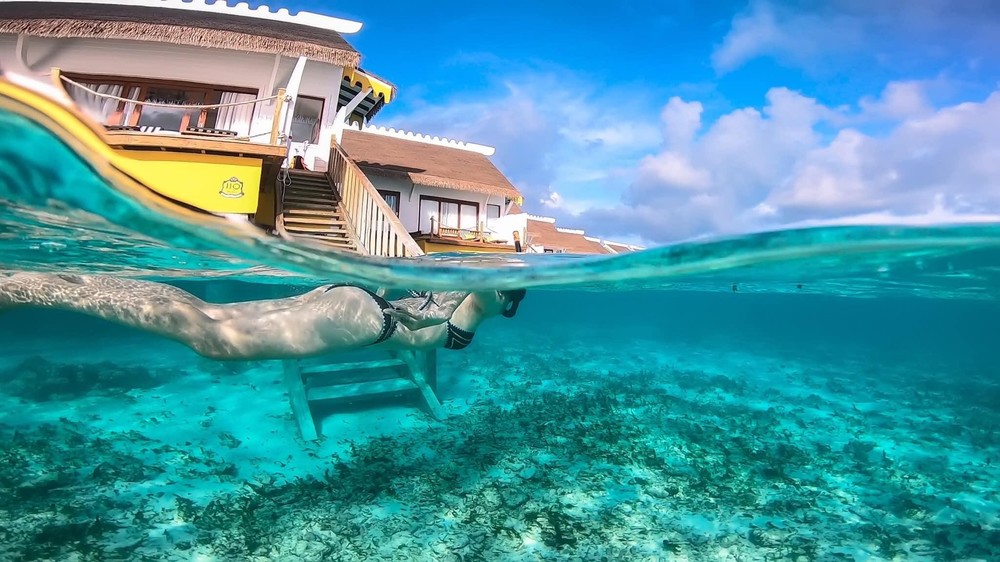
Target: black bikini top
<point>457,337</point>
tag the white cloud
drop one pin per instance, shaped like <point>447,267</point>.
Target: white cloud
<point>899,100</point>
<point>565,143</point>
<point>681,121</point>
<point>559,137</point>
<point>811,35</point>
<point>553,201</point>
<point>673,170</point>
<point>798,37</point>
<point>757,169</point>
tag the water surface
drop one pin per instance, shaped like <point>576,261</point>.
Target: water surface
<point>817,394</point>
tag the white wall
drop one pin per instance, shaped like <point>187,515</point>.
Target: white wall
<point>409,205</point>
<point>148,59</point>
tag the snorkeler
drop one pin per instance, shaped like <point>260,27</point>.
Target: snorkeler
<point>325,320</point>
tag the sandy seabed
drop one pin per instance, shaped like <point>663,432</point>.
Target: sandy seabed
<point>568,450</point>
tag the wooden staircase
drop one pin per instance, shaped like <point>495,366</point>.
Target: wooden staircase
<point>311,208</point>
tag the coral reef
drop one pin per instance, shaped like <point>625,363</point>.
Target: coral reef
<point>554,461</point>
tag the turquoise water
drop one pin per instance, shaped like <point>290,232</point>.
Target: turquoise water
<point>822,394</point>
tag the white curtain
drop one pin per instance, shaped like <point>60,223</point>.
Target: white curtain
<point>428,215</point>
<point>133,94</point>
<point>100,108</point>
<point>235,117</point>
<point>469,218</point>
<point>449,214</point>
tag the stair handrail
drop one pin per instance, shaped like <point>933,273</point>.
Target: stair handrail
<point>376,228</point>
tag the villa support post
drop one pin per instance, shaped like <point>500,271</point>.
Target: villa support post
<point>340,121</point>
<point>276,122</point>
<point>291,94</point>
<point>300,403</point>
<point>21,51</point>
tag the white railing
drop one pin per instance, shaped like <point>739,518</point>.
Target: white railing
<point>377,230</point>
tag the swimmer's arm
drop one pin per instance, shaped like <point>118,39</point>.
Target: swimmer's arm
<point>417,312</point>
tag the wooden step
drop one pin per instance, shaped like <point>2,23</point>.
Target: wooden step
<point>353,366</point>
<point>313,220</point>
<point>297,204</point>
<point>300,178</point>
<point>316,228</point>
<point>304,195</point>
<point>332,242</point>
<point>333,235</point>
<point>312,212</point>
<point>356,390</point>
<point>310,186</point>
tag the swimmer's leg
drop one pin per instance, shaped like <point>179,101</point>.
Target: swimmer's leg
<point>157,308</point>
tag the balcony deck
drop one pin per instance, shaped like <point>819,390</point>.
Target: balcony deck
<point>430,243</point>
<point>131,140</point>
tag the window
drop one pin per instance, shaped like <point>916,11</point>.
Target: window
<point>492,213</point>
<point>168,118</point>
<point>392,198</point>
<point>116,112</point>
<point>448,213</point>
<point>306,119</point>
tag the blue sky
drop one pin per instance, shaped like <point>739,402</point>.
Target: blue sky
<point>654,121</point>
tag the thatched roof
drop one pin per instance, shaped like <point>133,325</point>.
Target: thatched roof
<point>181,27</point>
<point>427,164</point>
<point>546,234</point>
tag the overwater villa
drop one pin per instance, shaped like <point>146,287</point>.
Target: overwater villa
<point>241,111</point>
<point>265,115</point>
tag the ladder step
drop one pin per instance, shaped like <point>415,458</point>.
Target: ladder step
<point>361,389</point>
<point>353,366</point>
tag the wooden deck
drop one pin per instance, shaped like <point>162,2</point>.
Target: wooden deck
<point>194,143</point>
<point>430,244</point>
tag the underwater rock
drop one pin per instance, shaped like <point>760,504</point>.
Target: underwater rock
<point>527,473</point>
<point>40,380</point>
<point>859,451</point>
<point>228,440</point>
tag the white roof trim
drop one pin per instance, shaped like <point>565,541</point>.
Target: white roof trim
<point>427,139</point>
<point>220,7</point>
<point>540,218</point>
<point>569,230</point>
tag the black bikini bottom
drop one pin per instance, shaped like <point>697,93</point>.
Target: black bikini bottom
<point>388,322</point>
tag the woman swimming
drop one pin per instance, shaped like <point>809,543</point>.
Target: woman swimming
<point>325,320</point>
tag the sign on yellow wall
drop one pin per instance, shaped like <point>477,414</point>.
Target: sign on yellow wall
<point>218,184</point>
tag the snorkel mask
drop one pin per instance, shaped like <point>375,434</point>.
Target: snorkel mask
<point>512,299</point>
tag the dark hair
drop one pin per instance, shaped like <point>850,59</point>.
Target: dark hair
<point>514,299</point>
